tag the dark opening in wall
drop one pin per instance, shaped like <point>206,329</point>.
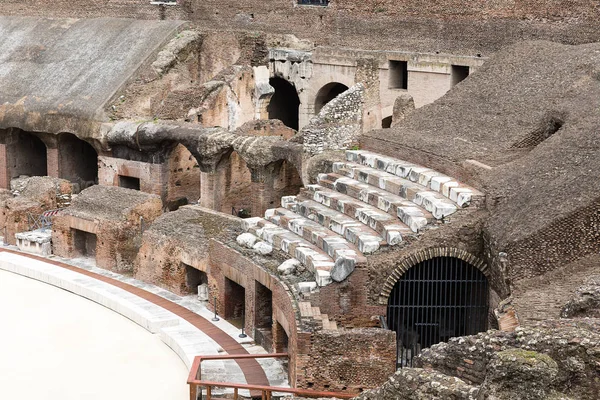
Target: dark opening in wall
<point>458,73</point>
<point>263,316</point>
<point>281,341</point>
<point>84,243</point>
<point>328,93</point>
<point>78,160</point>
<point>194,278</point>
<point>235,302</point>
<point>284,103</point>
<point>435,300</point>
<point>314,2</point>
<point>129,182</point>
<point>29,157</point>
<point>398,74</point>
<point>386,122</point>
<point>264,307</point>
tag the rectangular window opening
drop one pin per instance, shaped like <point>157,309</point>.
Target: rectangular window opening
<point>459,73</point>
<point>129,182</point>
<point>313,2</point>
<point>398,74</point>
<point>84,243</point>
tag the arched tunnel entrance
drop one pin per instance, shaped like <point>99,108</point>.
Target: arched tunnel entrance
<point>78,160</point>
<point>284,103</point>
<point>433,301</point>
<point>328,93</point>
<point>29,156</point>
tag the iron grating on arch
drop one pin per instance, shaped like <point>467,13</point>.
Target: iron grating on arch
<point>435,300</point>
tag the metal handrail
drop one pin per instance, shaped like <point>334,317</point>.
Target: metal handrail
<point>195,381</point>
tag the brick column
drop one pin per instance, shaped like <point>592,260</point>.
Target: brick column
<point>207,189</point>
<point>263,190</point>
<point>52,162</point>
<point>4,171</point>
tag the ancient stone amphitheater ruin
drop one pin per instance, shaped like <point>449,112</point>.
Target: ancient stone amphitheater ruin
<point>399,199</point>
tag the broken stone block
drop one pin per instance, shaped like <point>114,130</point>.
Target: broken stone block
<point>247,240</point>
<point>519,374</point>
<point>288,267</point>
<point>36,242</point>
<point>263,248</point>
<point>307,287</point>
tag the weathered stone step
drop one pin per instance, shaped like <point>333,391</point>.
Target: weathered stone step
<point>328,241</point>
<point>412,215</point>
<point>449,187</point>
<point>315,259</point>
<point>388,226</point>
<point>364,238</point>
<point>438,205</point>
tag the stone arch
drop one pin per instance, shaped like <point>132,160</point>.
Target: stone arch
<point>183,181</point>
<point>27,154</point>
<point>424,255</point>
<point>77,160</point>
<point>327,93</point>
<point>284,103</point>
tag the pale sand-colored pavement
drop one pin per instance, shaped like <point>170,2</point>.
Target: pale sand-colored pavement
<point>55,345</point>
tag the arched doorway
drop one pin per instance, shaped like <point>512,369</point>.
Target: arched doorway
<point>435,300</point>
<point>30,156</point>
<point>78,160</point>
<point>328,93</point>
<point>184,178</point>
<point>284,103</point>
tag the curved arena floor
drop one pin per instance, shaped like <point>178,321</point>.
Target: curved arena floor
<point>57,345</point>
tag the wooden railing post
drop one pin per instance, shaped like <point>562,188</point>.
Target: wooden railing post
<point>193,391</point>
<point>208,393</point>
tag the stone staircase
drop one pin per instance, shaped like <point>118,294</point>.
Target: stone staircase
<point>369,201</point>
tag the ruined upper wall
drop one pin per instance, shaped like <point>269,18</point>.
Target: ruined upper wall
<point>56,75</point>
<point>449,26</point>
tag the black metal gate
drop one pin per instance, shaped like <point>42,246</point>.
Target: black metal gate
<point>433,301</point>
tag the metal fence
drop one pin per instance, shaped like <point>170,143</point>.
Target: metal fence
<point>433,301</point>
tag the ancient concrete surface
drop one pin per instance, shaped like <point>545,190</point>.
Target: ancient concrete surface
<point>105,223</point>
<point>564,350</point>
<point>585,302</point>
<point>517,373</point>
<point>417,383</point>
<point>41,57</point>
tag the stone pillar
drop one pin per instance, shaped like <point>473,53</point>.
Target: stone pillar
<point>207,190</point>
<point>262,190</point>
<point>4,170</point>
<point>52,162</point>
<point>367,73</point>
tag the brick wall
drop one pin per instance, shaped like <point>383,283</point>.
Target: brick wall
<point>184,176</point>
<point>153,177</point>
<point>350,360</point>
<point>450,25</point>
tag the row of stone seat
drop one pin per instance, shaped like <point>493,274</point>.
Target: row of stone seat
<point>355,210</point>
<point>449,187</point>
